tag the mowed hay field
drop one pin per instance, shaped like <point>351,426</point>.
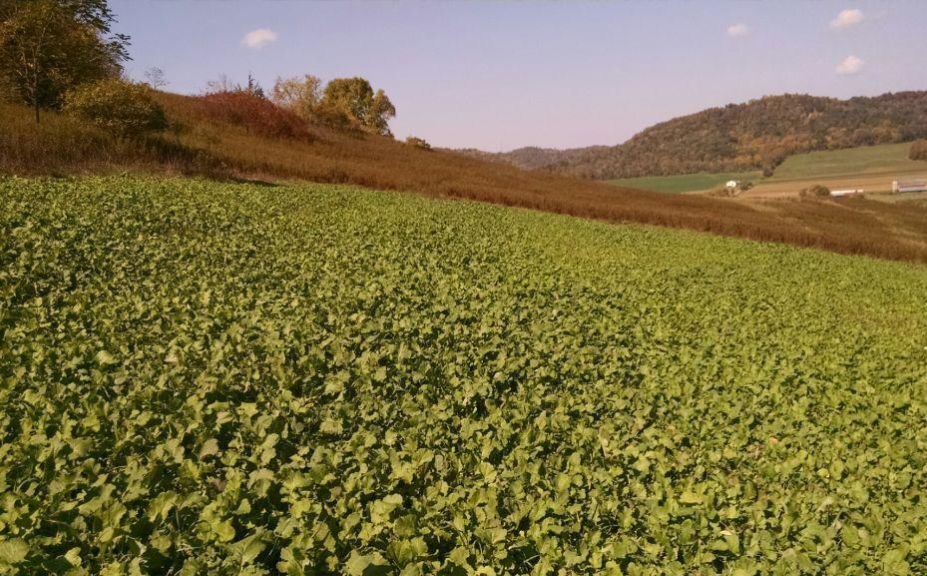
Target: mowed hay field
<point>203,378</point>
<point>871,168</point>
<point>886,158</point>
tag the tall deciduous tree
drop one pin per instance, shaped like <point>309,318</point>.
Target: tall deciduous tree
<point>50,46</point>
<point>380,112</point>
<point>355,98</point>
<point>299,95</point>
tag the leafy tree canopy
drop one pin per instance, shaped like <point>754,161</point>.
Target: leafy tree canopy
<point>355,98</point>
<point>124,108</point>
<point>299,95</point>
<point>50,46</point>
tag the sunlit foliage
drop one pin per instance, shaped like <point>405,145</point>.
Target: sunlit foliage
<point>226,379</point>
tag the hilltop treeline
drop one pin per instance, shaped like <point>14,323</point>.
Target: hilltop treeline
<point>757,135</point>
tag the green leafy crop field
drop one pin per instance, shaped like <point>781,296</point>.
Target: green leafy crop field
<point>686,182</point>
<point>202,378</point>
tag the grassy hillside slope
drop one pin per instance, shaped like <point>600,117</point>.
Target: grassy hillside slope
<point>241,379</point>
<point>870,168</point>
<point>886,159</point>
<point>242,139</point>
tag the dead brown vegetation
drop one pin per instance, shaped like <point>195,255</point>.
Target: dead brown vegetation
<point>257,115</point>
<point>204,140</point>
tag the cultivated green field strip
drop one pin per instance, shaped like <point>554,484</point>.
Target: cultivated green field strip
<point>202,378</point>
<point>685,182</point>
<point>890,160</point>
<point>885,159</point>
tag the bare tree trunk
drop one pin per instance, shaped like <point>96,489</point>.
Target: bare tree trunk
<point>35,93</point>
<point>37,74</point>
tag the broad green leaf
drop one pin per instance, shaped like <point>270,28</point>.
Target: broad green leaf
<point>13,551</point>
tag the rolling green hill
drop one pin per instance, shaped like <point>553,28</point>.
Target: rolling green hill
<point>203,378</point>
<point>757,135</point>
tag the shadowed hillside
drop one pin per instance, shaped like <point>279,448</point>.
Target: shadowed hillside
<point>246,137</point>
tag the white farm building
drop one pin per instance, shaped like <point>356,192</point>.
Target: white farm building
<point>917,185</point>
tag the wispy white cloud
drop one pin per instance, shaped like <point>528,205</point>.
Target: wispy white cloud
<point>738,30</point>
<point>851,65</point>
<point>259,38</point>
<point>848,18</point>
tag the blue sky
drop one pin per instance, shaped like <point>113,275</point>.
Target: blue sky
<point>499,75</point>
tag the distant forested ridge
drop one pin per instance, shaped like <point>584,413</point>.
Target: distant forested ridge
<point>530,157</point>
<point>739,137</point>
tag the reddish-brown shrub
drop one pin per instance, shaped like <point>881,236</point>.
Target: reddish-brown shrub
<point>257,115</point>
